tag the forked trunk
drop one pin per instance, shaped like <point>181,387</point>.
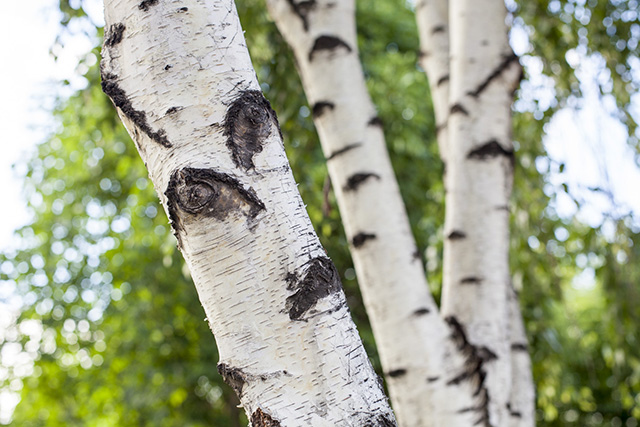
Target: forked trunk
<point>428,372</point>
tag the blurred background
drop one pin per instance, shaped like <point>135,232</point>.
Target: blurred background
<point>100,324</point>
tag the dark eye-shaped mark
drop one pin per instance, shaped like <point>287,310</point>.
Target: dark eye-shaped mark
<point>193,198</point>
<point>195,193</point>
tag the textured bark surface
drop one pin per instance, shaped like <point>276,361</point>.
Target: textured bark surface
<point>433,27</point>
<point>484,72</point>
<point>433,19</point>
<point>432,380</point>
<point>180,75</point>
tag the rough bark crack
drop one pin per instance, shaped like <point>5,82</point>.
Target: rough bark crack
<point>472,280</point>
<point>472,371</point>
<point>247,125</point>
<point>146,4</point>
<point>302,9</point>
<point>343,150</point>
<point>375,121</point>
<point>519,347</point>
<point>438,29</point>
<point>139,118</point>
<point>259,418</point>
<point>456,235</point>
<point>329,43</point>
<point>490,150</point>
<point>442,80</point>
<point>204,192</point>
<point>397,373</point>
<point>380,421</point>
<point>361,238</point>
<point>113,35</point>
<point>318,280</point>
<point>458,108</point>
<point>356,180</point>
<point>504,64</point>
<point>320,107</point>
<point>234,377</point>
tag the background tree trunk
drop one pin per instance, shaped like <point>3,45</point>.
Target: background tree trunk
<point>181,78</point>
<point>431,376</point>
<point>484,74</point>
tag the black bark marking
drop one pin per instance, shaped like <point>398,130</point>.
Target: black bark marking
<point>361,238</point>
<point>183,9</point>
<point>472,370</point>
<point>146,4</point>
<point>519,347</point>
<point>234,377</point>
<point>113,35</point>
<point>504,64</point>
<point>259,418</point>
<point>203,192</point>
<point>343,150</point>
<point>472,280</point>
<point>329,43</point>
<point>432,379</point>
<point>421,311</point>
<point>319,280</point>
<point>416,255</point>
<point>139,118</point>
<point>375,121</point>
<point>438,29</point>
<point>247,125</point>
<point>302,9</point>
<point>380,421</point>
<point>320,107</point>
<point>172,110</point>
<point>356,180</point>
<point>486,355</point>
<point>456,235</point>
<point>397,373</point>
<point>167,67</point>
<point>458,108</point>
<point>442,80</point>
<point>515,414</point>
<point>489,150</point>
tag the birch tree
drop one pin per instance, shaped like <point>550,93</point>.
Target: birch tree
<point>334,84</point>
<point>473,74</point>
<point>180,76</point>
<point>323,38</point>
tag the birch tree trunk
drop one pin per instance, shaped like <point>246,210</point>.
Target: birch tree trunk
<point>484,74</point>
<point>433,23</point>
<point>429,372</point>
<point>180,76</point>
<point>433,27</point>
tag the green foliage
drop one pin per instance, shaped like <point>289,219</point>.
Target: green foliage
<point>111,317</point>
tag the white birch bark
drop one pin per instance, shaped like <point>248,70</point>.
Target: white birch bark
<point>483,75</point>
<point>522,400</point>
<point>430,369</point>
<point>433,24</point>
<point>432,17</point>
<point>180,74</point>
